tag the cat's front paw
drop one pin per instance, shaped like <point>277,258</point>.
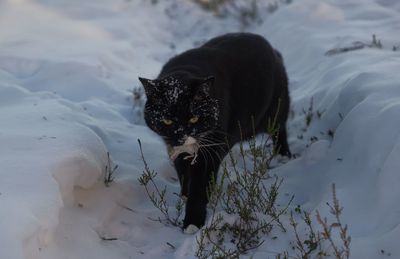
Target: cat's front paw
<point>191,229</point>
<point>194,218</point>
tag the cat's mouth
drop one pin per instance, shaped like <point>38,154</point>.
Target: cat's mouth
<point>190,146</point>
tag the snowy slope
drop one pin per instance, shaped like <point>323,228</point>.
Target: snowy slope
<point>67,71</point>
<point>358,93</point>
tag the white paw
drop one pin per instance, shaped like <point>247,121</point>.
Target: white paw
<point>190,230</point>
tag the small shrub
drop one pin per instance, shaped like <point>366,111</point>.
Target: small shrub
<point>109,171</point>
<point>357,45</point>
<point>244,210</point>
<point>313,245</point>
<point>158,196</point>
<point>244,207</point>
<point>274,6</point>
<point>331,133</point>
<point>340,250</point>
<point>138,100</point>
<point>309,113</point>
<point>246,11</point>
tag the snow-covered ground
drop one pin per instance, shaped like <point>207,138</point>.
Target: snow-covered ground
<point>67,71</point>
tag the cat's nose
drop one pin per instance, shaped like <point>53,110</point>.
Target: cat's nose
<point>190,141</point>
<point>187,140</point>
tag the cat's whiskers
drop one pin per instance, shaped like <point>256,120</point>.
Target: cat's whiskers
<point>218,150</point>
<point>216,132</point>
<point>204,156</point>
<point>210,145</point>
<point>203,143</point>
<point>211,142</point>
<point>202,147</point>
<point>208,154</point>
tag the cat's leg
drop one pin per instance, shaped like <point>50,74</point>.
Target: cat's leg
<point>280,142</point>
<point>183,171</point>
<point>195,213</point>
<point>201,174</point>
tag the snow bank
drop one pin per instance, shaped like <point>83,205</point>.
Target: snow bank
<point>44,157</point>
<point>358,95</point>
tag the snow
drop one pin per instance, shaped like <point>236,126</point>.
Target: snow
<point>67,72</point>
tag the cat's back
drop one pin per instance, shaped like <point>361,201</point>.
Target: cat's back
<point>244,55</point>
<point>239,44</point>
<point>232,54</point>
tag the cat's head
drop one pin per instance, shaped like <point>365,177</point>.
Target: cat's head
<point>178,108</point>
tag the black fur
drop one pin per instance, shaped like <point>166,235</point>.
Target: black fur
<point>230,80</point>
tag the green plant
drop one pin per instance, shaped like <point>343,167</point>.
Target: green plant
<point>309,113</point>
<point>109,171</point>
<point>320,241</point>
<point>246,11</point>
<point>273,6</point>
<point>138,100</point>
<point>357,45</point>
<point>158,196</point>
<point>340,250</point>
<point>243,201</point>
<point>304,247</point>
<point>244,208</point>
<point>212,5</point>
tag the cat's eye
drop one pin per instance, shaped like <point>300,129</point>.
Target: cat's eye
<point>167,122</point>
<point>194,119</point>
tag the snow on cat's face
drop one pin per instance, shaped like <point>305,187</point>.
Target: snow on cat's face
<point>180,108</point>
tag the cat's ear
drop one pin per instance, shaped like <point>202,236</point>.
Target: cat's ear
<point>209,80</point>
<point>148,85</point>
<point>206,84</point>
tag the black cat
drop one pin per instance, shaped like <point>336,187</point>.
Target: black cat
<point>202,96</point>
